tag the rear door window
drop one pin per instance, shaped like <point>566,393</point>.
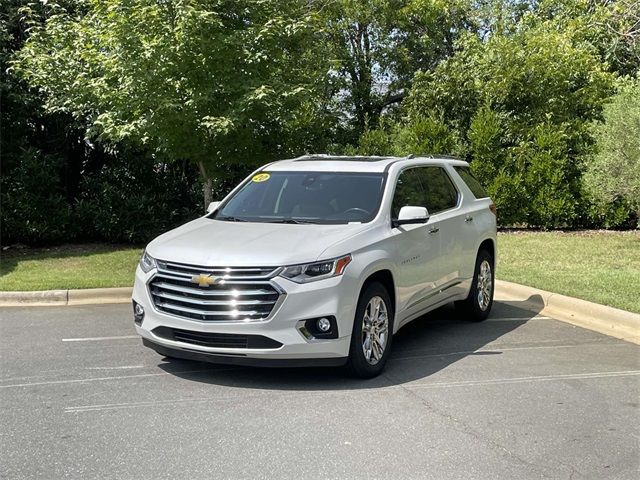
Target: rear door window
<point>440,192</point>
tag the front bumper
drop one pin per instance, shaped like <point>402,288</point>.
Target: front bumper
<point>331,297</point>
<point>200,356</point>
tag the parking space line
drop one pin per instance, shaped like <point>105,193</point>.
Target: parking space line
<point>532,379</point>
<point>156,403</point>
<point>99,379</point>
<point>123,367</point>
<point>98,339</point>
<point>302,394</point>
<point>507,349</point>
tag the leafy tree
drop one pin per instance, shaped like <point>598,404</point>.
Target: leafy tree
<point>425,135</point>
<point>104,96</point>
<point>21,111</point>
<point>612,27</point>
<point>523,100</point>
<point>212,82</point>
<point>613,172</point>
<point>42,154</point>
<point>376,46</point>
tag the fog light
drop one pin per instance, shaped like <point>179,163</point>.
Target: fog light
<point>321,328</point>
<point>138,313</point>
<point>323,324</point>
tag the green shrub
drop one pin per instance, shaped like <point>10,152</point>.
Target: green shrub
<point>422,135</point>
<point>522,101</point>
<point>612,178</point>
<point>611,215</point>
<point>34,210</point>
<point>135,200</point>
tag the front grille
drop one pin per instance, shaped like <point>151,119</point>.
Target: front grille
<point>216,340</point>
<point>236,294</point>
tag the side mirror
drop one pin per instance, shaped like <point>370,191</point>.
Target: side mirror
<point>213,206</point>
<point>410,215</point>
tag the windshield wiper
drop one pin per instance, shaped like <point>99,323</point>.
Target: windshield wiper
<point>227,218</point>
<point>293,221</point>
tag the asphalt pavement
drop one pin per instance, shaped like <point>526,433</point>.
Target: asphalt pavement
<point>519,396</point>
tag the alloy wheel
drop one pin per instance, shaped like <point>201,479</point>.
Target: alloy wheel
<point>484,285</point>
<point>375,330</point>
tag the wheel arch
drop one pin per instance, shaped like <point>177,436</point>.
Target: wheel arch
<point>488,245</point>
<point>383,276</point>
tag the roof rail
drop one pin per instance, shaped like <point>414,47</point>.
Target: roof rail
<point>310,155</point>
<point>446,157</point>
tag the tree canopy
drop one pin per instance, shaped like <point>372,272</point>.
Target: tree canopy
<point>532,93</point>
<point>214,82</point>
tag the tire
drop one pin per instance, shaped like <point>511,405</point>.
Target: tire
<point>365,358</point>
<point>476,307</point>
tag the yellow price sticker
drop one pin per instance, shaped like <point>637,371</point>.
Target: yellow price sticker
<point>261,177</point>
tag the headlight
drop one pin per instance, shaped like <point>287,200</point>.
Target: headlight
<point>311,272</point>
<point>147,262</point>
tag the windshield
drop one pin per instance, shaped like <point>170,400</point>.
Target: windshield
<point>305,197</point>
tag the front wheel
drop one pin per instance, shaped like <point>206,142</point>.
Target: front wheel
<point>477,306</point>
<point>372,332</point>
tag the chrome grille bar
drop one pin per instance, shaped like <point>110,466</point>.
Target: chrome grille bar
<point>197,301</point>
<point>213,293</point>
<point>238,294</point>
<point>227,273</point>
<point>231,313</point>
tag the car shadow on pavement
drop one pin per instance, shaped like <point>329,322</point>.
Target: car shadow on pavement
<point>420,349</point>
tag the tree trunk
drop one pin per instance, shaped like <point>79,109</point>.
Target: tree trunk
<point>207,185</point>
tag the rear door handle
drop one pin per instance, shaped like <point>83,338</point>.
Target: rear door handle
<point>468,218</point>
<point>434,230</point>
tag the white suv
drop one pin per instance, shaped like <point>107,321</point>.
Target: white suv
<point>318,260</point>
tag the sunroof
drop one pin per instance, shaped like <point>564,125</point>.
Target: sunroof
<point>319,158</point>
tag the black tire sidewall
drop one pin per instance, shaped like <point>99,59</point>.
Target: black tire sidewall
<point>357,363</point>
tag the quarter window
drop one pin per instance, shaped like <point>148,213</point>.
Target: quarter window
<point>472,182</point>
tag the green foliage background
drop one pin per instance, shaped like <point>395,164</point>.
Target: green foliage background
<point>118,114</point>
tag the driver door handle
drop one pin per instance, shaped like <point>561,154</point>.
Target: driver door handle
<point>468,218</point>
<point>433,230</point>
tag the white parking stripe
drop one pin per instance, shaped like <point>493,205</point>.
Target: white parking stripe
<point>303,394</point>
<point>98,339</point>
<point>506,349</point>
<point>100,379</point>
<point>124,367</point>
<point>543,378</point>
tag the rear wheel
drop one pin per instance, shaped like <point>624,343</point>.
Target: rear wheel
<point>372,332</point>
<point>477,306</point>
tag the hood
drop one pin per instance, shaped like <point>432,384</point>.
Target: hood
<point>210,242</point>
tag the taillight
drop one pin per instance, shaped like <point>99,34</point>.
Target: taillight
<point>493,209</point>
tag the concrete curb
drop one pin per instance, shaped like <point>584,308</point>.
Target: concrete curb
<point>88,296</point>
<point>607,320</point>
<point>593,316</point>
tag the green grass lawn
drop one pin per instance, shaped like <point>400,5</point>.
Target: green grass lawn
<point>602,267</point>
<point>599,266</point>
<point>68,266</point>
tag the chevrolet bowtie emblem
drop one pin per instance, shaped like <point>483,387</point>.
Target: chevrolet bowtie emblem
<point>203,280</point>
